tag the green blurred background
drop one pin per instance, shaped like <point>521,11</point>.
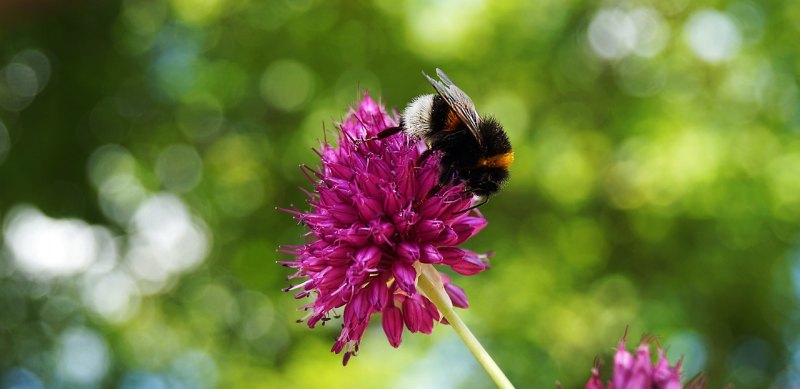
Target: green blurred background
<point>145,143</point>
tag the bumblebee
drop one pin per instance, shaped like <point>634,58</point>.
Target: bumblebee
<point>475,150</point>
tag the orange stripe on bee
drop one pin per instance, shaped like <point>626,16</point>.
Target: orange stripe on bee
<point>452,121</point>
<point>500,160</point>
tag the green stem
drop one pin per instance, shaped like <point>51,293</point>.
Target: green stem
<point>430,284</point>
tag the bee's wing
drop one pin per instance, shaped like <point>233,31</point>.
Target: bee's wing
<point>458,101</point>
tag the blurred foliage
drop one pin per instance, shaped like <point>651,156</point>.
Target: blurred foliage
<point>145,143</point>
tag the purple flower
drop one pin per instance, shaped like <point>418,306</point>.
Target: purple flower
<point>638,372</point>
<point>377,210</point>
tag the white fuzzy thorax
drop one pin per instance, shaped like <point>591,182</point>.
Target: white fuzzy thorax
<point>417,116</point>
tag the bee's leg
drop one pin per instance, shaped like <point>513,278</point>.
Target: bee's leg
<point>485,200</point>
<point>423,157</point>
<point>384,134</point>
<point>446,177</point>
<point>389,132</point>
<point>434,190</point>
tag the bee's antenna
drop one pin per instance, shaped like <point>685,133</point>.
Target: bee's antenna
<point>485,200</point>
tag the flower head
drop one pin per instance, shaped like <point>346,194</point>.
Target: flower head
<point>636,371</point>
<point>377,209</point>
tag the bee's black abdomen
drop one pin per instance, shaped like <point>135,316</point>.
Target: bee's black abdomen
<point>495,139</point>
<point>482,164</point>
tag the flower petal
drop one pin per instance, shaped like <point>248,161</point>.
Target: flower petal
<point>393,324</point>
<point>429,254</point>
<point>344,213</point>
<point>641,375</point>
<point>337,255</point>
<point>404,220</point>
<point>451,255</point>
<point>467,228</point>
<point>378,294</point>
<point>469,264</point>
<point>416,316</point>
<point>392,202</point>
<point>428,230</point>
<point>340,170</point>
<point>368,257</point>
<point>457,295</point>
<point>356,235</point>
<point>368,208</point>
<point>448,237</point>
<point>663,376</point>
<point>406,276</point>
<point>595,382</point>
<point>431,207</point>
<point>408,252</point>
<point>433,312</point>
<point>427,180</point>
<point>623,362</point>
<point>382,232</point>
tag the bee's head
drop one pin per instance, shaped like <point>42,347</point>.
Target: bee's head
<point>484,182</point>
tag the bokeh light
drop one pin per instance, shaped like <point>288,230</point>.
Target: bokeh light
<point>712,36</point>
<point>287,84</point>
<point>43,247</point>
<point>165,241</point>
<point>112,170</point>
<point>612,33</point>
<point>113,295</point>
<point>179,168</point>
<point>82,357</point>
<point>21,378</point>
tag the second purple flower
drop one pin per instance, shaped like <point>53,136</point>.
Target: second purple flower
<point>636,371</point>
<point>375,211</point>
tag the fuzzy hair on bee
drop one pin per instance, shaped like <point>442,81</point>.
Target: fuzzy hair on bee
<point>475,149</point>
